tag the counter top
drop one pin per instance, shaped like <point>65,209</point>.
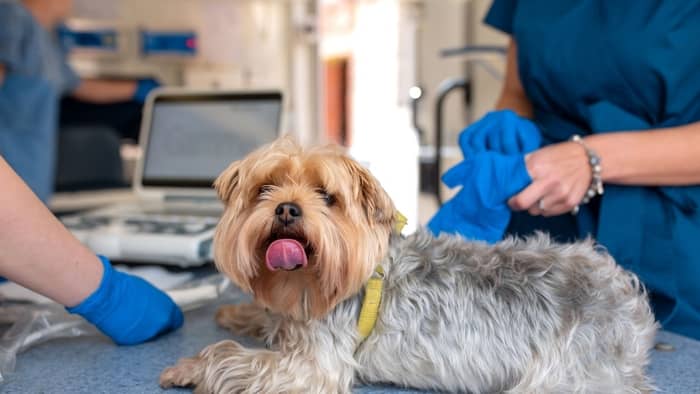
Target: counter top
<point>94,365</point>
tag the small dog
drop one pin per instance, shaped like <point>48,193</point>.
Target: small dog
<point>304,231</point>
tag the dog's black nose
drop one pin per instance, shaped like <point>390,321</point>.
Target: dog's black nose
<point>288,212</point>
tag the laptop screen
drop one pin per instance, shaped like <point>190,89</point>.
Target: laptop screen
<point>192,138</point>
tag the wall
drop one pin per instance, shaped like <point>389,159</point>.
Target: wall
<point>242,44</point>
<point>486,88</point>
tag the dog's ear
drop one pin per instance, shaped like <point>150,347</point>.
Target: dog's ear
<point>227,182</point>
<point>371,195</point>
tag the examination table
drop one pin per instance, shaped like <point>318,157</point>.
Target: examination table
<point>90,365</point>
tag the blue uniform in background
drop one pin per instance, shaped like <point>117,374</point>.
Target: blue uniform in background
<point>36,75</point>
<point>601,66</point>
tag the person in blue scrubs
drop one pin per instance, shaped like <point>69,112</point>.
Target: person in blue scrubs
<point>33,76</point>
<point>624,76</point>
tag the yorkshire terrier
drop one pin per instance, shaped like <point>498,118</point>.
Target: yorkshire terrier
<point>310,233</point>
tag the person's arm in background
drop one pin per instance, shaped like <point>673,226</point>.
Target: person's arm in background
<point>37,252</point>
<point>512,93</point>
<point>105,91</point>
<point>2,74</point>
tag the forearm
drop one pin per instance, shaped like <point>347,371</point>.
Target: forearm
<point>520,104</point>
<point>104,91</point>
<point>36,251</point>
<point>513,95</point>
<point>656,157</point>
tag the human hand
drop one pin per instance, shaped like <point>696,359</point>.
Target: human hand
<point>479,209</point>
<point>501,131</point>
<point>143,88</point>
<point>561,176</point>
<point>128,309</point>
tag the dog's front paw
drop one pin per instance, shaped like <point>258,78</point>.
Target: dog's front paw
<point>187,372</point>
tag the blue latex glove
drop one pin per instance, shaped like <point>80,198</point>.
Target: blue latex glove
<point>479,211</point>
<point>500,131</point>
<point>128,309</point>
<point>143,88</point>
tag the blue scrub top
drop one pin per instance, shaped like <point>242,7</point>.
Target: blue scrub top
<point>36,74</point>
<point>600,66</point>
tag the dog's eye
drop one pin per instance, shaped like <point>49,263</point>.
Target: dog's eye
<point>328,198</point>
<point>264,189</point>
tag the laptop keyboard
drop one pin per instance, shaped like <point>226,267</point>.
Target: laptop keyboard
<point>86,222</point>
<point>169,224</point>
<point>146,223</point>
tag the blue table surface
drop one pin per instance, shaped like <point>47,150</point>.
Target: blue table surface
<point>94,365</point>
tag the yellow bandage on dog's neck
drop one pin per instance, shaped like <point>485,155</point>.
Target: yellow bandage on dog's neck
<point>373,291</point>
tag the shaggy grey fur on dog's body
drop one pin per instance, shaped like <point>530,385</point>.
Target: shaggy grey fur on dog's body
<point>519,316</point>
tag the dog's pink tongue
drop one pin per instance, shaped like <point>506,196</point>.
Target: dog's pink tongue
<point>285,254</point>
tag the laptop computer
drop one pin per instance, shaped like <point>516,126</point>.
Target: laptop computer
<point>187,139</point>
